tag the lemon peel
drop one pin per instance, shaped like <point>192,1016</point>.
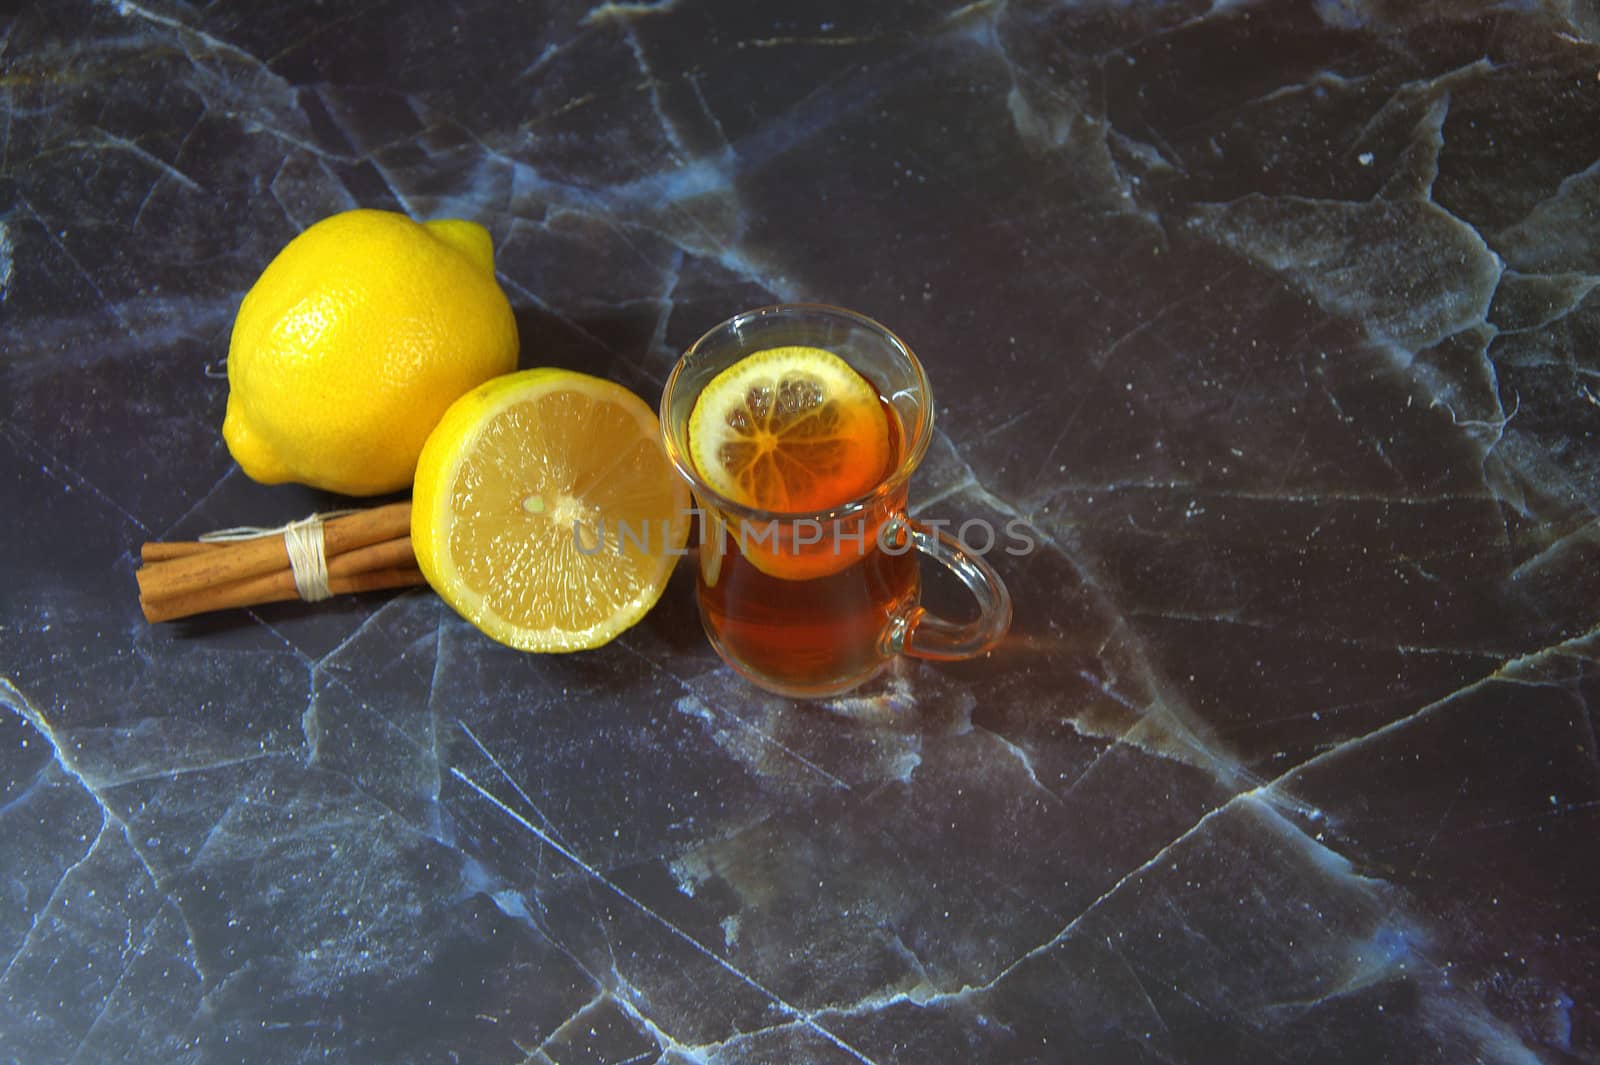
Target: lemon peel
<point>353,341</point>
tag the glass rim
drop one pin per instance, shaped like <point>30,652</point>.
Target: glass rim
<point>911,454</point>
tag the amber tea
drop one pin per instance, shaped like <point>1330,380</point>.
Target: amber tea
<point>795,629</point>
<point>798,428</point>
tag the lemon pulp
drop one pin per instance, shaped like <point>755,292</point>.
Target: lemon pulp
<point>790,430</point>
<point>546,512</point>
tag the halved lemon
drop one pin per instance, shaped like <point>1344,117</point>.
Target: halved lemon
<point>545,510</point>
<point>790,430</point>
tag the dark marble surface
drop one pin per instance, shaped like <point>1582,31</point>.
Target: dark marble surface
<point>1277,322</point>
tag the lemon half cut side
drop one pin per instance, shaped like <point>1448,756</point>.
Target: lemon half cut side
<point>545,510</point>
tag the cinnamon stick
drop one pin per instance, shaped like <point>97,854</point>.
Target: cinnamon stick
<point>207,568</point>
<point>390,564</point>
<point>166,550</point>
<point>369,581</point>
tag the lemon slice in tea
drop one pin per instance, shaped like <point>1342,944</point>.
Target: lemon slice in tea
<point>789,430</point>
<point>545,510</point>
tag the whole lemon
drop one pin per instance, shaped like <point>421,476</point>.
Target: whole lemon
<point>354,341</point>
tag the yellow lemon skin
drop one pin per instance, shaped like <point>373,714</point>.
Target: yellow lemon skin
<point>353,342</point>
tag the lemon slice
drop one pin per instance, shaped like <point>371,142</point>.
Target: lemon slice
<point>790,430</point>
<point>545,510</point>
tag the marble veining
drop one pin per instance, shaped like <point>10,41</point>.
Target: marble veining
<point>1275,325</point>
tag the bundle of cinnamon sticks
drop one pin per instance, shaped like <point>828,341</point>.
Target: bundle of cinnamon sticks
<point>365,551</point>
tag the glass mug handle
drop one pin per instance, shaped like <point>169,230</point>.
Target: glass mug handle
<point>923,635</point>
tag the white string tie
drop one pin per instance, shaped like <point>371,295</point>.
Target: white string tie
<point>305,544</point>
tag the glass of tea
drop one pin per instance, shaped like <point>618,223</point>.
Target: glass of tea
<point>814,601</point>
